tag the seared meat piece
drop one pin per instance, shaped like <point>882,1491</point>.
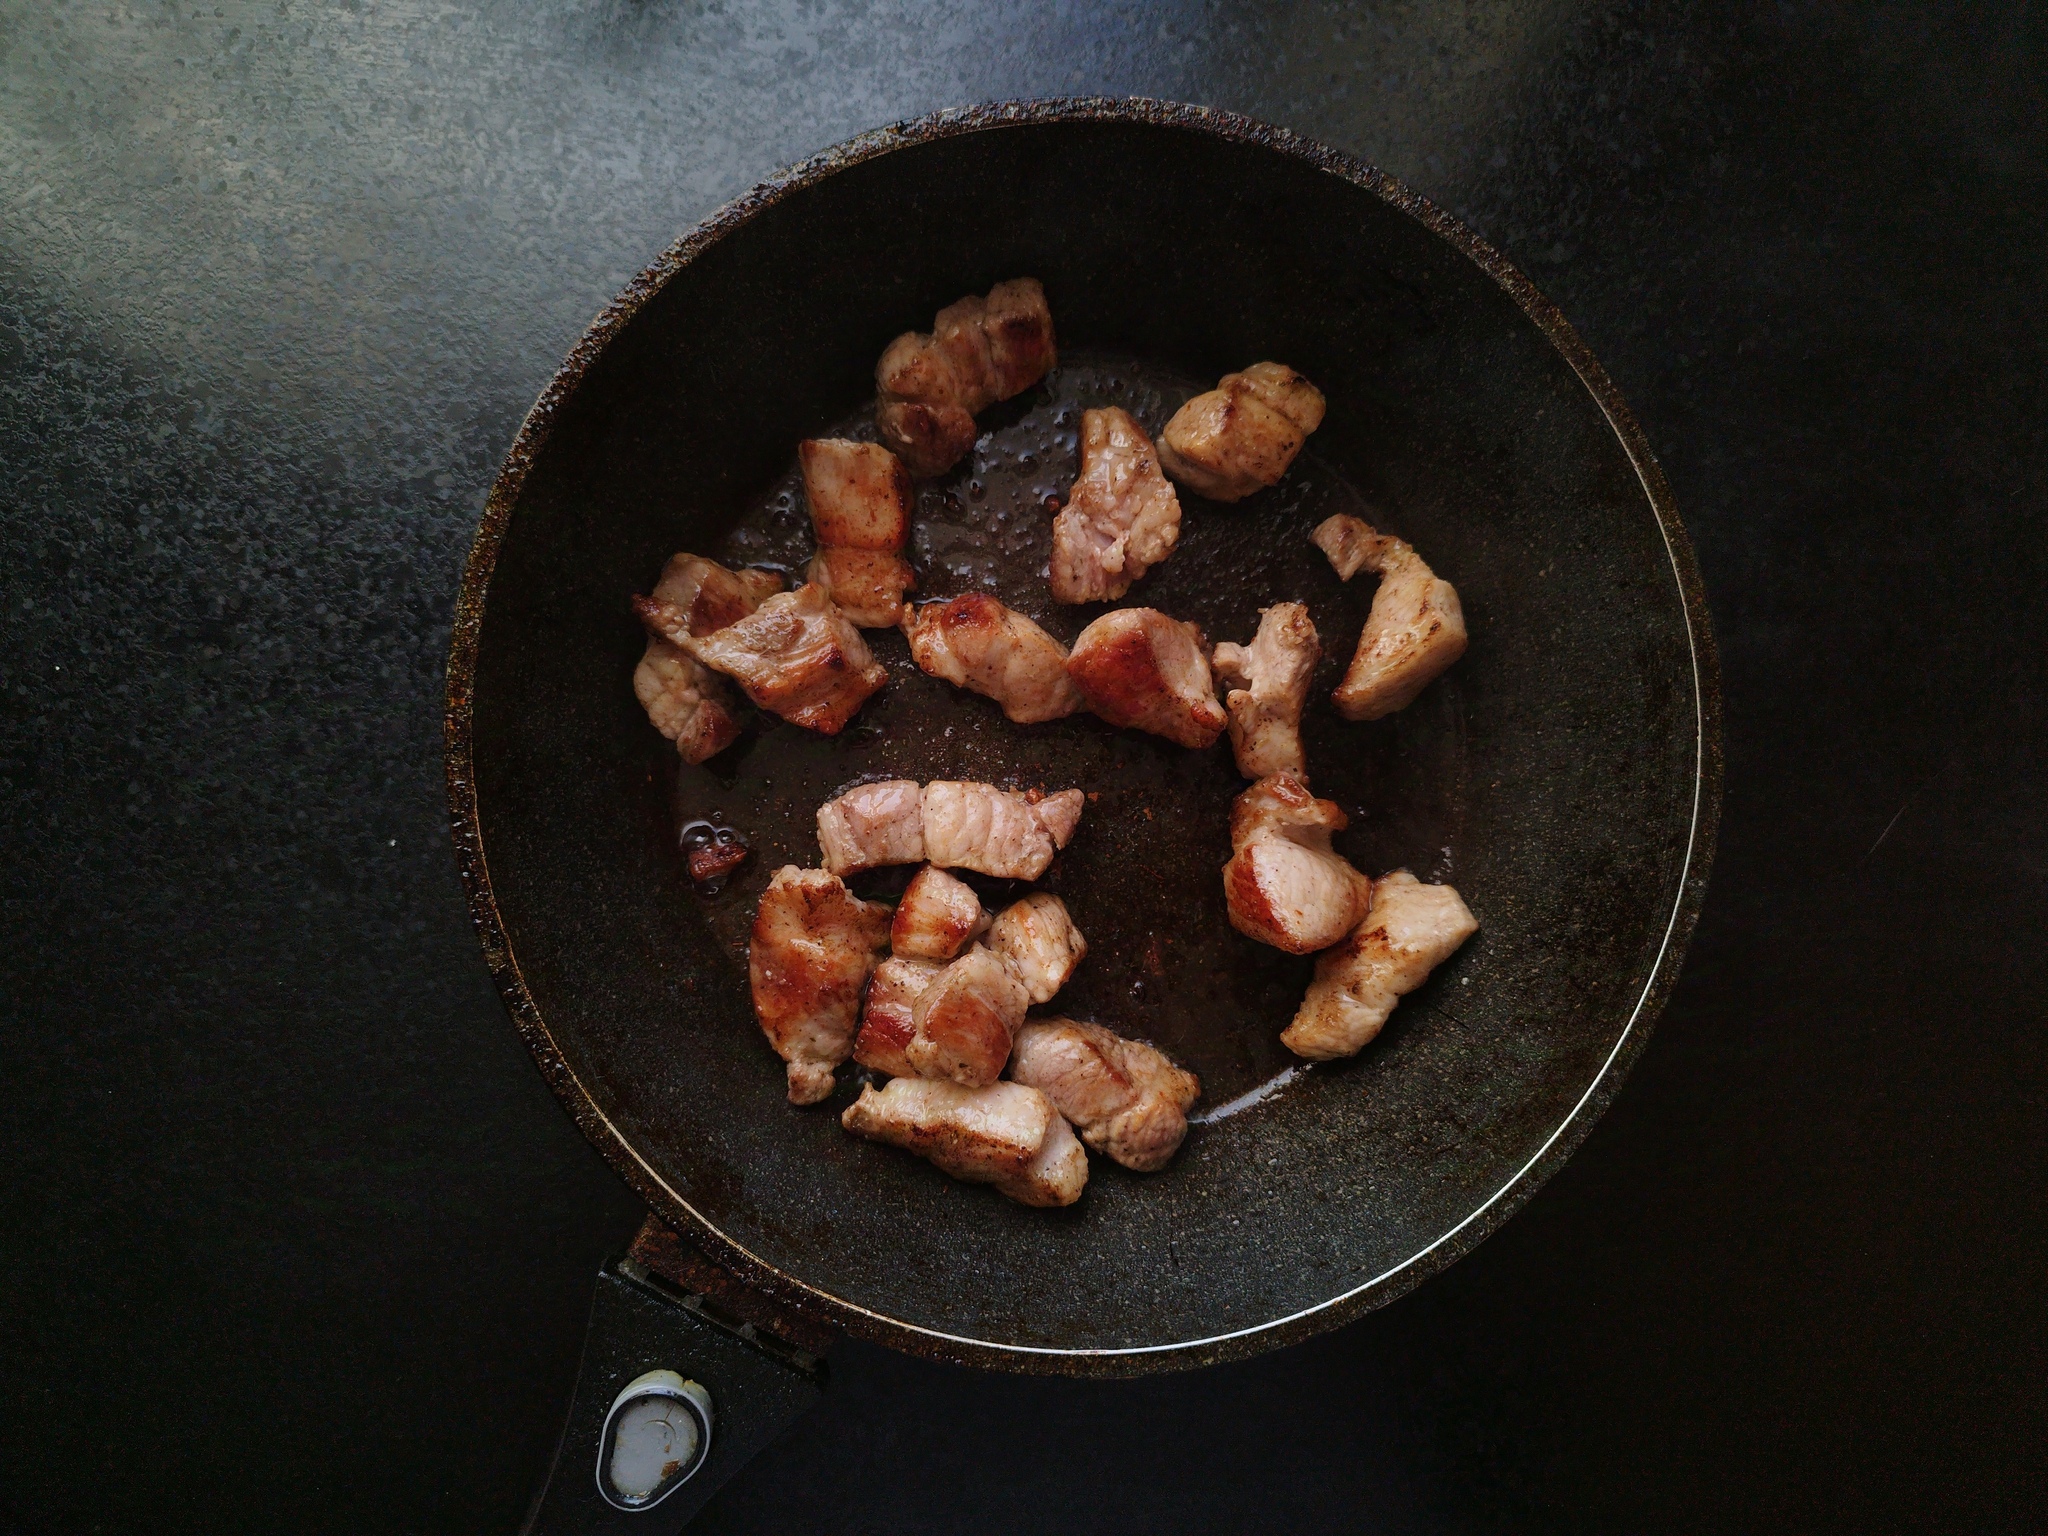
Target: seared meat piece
<point>1138,667</point>
<point>1125,1098</point>
<point>979,351</point>
<point>808,960</point>
<point>887,1019</point>
<point>859,494</point>
<point>1038,940</point>
<point>795,655</point>
<point>686,701</point>
<point>1412,929</point>
<point>1005,1134</point>
<point>965,1018</point>
<point>866,584</point>
<point>1241,435</point>
<point>1284,884</point>
<point>975,642</point>
<point>1416,628</point>
<point>1268,682</point>
<point>1121,517</point>
<point>872,825</point>
<point>996,831</point>
<point>937,916</point>
<point>860,499</point>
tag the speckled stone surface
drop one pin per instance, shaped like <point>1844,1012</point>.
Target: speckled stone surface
<point>276,284</point>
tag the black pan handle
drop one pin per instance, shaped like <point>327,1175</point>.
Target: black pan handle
<point>737,1368</point>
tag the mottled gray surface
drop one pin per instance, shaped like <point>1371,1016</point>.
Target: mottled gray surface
<point>277,282</point>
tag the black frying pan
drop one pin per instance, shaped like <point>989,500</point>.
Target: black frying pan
<point>1565,775</point>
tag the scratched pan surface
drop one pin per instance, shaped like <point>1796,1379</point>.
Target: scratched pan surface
<point>1564,776</point>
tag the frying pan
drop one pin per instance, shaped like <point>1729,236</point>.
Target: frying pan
<point>1565,775</point>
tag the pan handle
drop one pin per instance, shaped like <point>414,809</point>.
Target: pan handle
<point>686,1374</point>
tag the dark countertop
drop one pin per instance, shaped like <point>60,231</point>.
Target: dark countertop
<point>292,1235</point>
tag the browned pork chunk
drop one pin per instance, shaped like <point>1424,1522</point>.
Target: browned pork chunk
<point>975,642</point>
<point>796,655</point>
<point>1416,628</point>
<point>1037,938</point>
<point>1240,436</point>
<point>1412,929</point>
<point>1284,884</point>
<point>1004,1134</point>
<point>888,1021</point>
<point>872,825</point>
<point>997,831</point>
<point>860,499</point>
<point>1121,518</point>
<point>1138,667</point>
<point>1125,1098</point>
<point>979,351</point>
<point>808,960</point>
<point>686,701</point>
<point>1268,682</point>
<point>936,917</point>
<point>964,1020</point>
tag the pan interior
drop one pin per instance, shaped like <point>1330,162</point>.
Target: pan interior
<point>1551,776</point>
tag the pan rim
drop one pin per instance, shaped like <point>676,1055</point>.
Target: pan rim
<point>617,1148</point>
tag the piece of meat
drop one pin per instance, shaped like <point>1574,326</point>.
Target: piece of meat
<point>1004,1134</point>
<point>1416,628</point>
<point>888,1021</point>
<point>872,825</point>
<point>1268,682</point>
<point>859,494</point>
<point>1138,667</point>
<point>1121,518</point>
<point>813,943</point>
<point>1412,929</point>
<point>1284,884</point>
<point>973,641</point>
<point>686,701</point>
<point>1240,436</point>
<point>1037,938</point>
<point>796,655</point>
<point>965,1019</point>
<point>866,584</point>
<point>996,831</point>
<point>936,917</point>
<point>1125,1098</point>
<point>979,351</point>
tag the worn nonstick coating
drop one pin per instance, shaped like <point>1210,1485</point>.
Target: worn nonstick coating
<point>1565,775</point>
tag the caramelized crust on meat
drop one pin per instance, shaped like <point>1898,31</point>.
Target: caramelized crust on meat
<point>975,642</point>
<point>1004,1134</point>
<point>1125,1098</point>
<point>867,585</point>
<point>808,959</point>
<point>872,825</point>
<point>965,1018</point>
<point>1138,667</point>
<point>1240,436</point>
<point>686,701</point>
<point>1413,928</point>
<point>796,655</point>
<point>1121,517</point>
<point>979,351</point>
<point>1268,682</point>
<point>887,1018</point>
<point>996,831</point>
<point>1416,628</point>
<point>859,494</point>
<point>937,916</point>
<point>1284,884</point>
<point>1037,938</point>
